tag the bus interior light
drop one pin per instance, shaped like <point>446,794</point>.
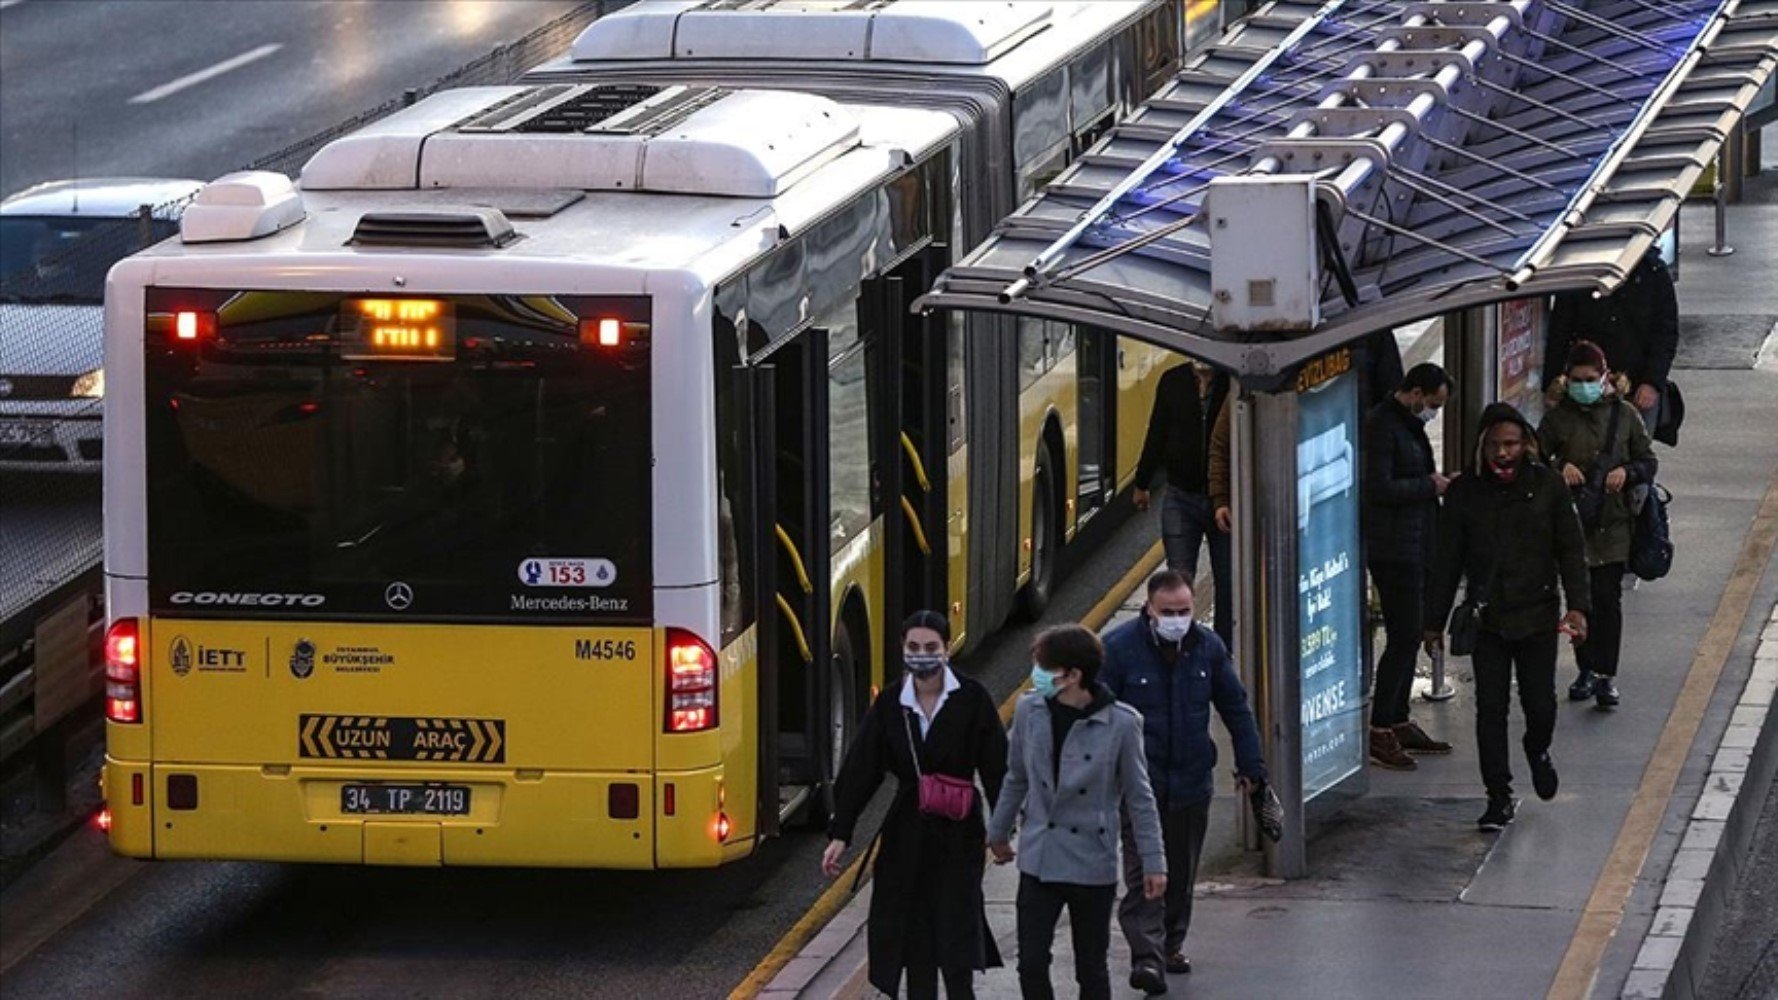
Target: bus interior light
<point>605,331</point>
<point>190,327</point>
<point>123,672</point>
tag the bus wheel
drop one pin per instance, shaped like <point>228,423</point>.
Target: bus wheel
<point>1046,541</point>
<point>838,723</point>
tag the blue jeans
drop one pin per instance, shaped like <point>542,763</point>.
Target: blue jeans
<point>1186,523</point>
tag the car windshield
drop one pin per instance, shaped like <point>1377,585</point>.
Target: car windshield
<point>53,258</point>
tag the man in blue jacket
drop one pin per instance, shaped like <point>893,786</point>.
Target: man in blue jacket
<point>1172,670</point>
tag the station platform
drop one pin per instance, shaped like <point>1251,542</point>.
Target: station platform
<point>1405,897</point>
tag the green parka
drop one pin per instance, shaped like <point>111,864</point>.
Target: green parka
<point>1575,434</point>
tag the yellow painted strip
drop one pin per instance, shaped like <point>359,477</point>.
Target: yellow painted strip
<point>1611,892</point>
<point>839,893</point>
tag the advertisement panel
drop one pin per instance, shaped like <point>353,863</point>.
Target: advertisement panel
<point>1330,581</point>
<point>1520,369</point>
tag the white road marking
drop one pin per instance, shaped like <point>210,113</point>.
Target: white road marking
<point>192,80</point>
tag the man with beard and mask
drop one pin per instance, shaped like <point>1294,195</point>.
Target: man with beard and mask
<point>1508,530</point>
<point>926,914</point>
<point>1401,487</point>
<point>1173,670</point>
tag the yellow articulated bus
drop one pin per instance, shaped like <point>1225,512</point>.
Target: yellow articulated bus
<point>541,481</point>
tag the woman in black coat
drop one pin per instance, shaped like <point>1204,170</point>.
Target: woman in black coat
<point>926,913</point>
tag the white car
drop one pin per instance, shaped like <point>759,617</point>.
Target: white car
<point>57,241</point>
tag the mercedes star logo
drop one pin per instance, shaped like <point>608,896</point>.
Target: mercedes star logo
<point>399,596</point>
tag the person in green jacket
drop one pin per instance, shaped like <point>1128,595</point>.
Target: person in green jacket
<point>1604,465</point>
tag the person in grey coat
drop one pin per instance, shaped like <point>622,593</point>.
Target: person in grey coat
<point>1075,759</point>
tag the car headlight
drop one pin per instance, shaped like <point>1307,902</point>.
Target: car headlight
<point>90,386</point>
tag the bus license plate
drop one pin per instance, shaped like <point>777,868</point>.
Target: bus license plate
<point>422,800</point>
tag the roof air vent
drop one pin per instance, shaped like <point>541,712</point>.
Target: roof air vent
<point>468,229</point>
<point>593,109</point>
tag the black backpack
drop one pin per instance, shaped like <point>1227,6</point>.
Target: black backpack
<point>1651,539</point>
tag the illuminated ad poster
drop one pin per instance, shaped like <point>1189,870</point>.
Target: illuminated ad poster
<point>1330,582</point>
<point>1520,369</point>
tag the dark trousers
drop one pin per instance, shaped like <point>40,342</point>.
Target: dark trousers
<point>920,958</point>
<point>1186,521</point>
<point>1401,587</point>
<point>1605,626</point>
<point>1089,917</point>
<point>1495,660</point>
<point>1156,928</point>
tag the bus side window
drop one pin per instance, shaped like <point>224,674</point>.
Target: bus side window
<point>734,474</point>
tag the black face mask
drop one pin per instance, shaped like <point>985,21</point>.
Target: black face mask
<point>924,665</point>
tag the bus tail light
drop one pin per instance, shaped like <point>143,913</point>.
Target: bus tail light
<point>123,672</point>
<point>722,827</point>
<point>691,683</point>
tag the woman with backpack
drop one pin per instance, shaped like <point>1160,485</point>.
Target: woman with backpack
<point>936,731</point>
<point>1599,443</point>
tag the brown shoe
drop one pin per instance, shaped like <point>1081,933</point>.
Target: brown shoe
<point>1413,739</point>
<point>1386,751</point>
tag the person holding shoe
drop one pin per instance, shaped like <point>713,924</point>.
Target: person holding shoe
<point>926,913</point>
<point>1166,665</point>
<point>1075,760</point>
<point>1509,534</point>
<point>1401,486</point>
<point>1595,438</point>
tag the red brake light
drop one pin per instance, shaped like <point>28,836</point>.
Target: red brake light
<point>722,826</point>
<point>102,819</point>
<point>691,683</point>
<point>123,672</point>
<point>603,332</point>
<point>189,327</point>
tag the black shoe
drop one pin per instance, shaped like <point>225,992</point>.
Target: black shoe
<point>1148,978</point>
<point>1178,964</point>
<point>1500,812</point>
<point>1543,775</point>
<point>1582,688</point>
<point>1605,692</point>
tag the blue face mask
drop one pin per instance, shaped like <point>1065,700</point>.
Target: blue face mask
<point>1586,393</point>
<point>1043,682</point>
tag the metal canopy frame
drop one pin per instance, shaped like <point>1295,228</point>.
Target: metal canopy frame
<point>1468,152</point>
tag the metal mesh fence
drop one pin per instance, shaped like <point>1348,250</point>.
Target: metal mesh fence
<point>52,279</point>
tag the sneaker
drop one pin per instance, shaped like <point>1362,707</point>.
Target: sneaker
<point>1386,751</point>
<point>1543,775</point>
<point>1605,692</point>
<point>1148,978</point>
<point>1413,739</point>
<point>1582,688</point>
<point>1178,964</point>
<point>1501,810</point>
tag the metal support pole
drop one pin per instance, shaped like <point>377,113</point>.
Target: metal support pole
<point>1272,475</point>
<point>1721,199</point>
<point>1244,555</point>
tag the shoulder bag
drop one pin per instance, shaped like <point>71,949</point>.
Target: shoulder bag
<point>941,795</point>
<point>1466,621</point>
<point>1589,497</point>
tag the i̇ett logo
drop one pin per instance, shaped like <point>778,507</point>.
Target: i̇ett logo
<point>399,596</point>
<point>302,659</point>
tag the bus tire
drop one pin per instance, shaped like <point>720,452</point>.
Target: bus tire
<point>1046,540</point>
<point>839,719</point>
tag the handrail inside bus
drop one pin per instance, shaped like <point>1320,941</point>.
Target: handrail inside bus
<point>907,507</point>
<point>796,560</point>
<point>796,630</point>
<point>907,445</point>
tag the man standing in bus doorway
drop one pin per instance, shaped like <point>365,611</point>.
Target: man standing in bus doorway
<point>1173,670</point>
<point>1186,405</point>
<point>1401,486</point>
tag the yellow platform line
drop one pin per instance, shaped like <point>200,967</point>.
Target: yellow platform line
<point>837,895</point>
<point>1604,911</point>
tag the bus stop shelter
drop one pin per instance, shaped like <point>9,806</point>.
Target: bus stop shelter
<point>1328,171</point>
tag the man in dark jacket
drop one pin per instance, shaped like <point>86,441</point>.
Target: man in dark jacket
<point>1172,670</point>
<point>1637,326</point>
<point>1401,487</point>
<point>1186,404</point>
<point>1509,529</point>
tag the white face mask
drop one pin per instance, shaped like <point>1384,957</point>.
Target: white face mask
<point>1428,415</point>
<point>1172,628</point>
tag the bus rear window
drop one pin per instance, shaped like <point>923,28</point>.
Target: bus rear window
<point>476,457</point>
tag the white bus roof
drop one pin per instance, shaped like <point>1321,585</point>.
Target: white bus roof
<point>706,206</point>
<point>1012,40</point>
